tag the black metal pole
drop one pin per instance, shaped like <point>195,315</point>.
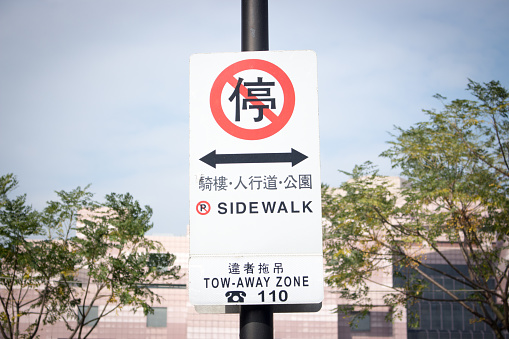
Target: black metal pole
<point>256,321</point>
<point>255,25</point>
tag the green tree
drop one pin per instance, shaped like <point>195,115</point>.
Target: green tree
<point>91,256</point>
<point>116,260</point>
<point>25,273</point>
<point>455,199</point>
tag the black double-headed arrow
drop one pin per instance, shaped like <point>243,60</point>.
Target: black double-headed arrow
<point>212,159</point>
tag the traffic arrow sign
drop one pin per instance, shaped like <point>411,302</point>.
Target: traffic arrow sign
<point>212,159</point>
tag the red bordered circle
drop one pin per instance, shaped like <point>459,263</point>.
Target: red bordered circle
<point>199,208</point>
<point>227,76</point>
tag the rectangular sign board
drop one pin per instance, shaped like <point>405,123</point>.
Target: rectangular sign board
<point>255,204</point>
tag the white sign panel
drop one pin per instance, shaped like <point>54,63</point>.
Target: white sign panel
<point>255,208</point>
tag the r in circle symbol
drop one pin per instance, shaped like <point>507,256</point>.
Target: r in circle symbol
<point>203,207</point>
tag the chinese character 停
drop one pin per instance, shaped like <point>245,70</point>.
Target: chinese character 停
<point>257,93</point>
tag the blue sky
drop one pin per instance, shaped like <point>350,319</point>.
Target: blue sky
<point>97,91</point>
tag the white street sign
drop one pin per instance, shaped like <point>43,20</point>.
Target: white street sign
<point>255,208</point>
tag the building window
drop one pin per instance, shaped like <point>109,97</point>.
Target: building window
<point>158,318</point>
<point>360,322</point>
<point>91,318</point>
<point>159,261</point>
<point>170,286</point>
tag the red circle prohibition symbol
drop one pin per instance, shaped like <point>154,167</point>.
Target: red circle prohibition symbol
<point>277,122</point>
<point>203,208</point>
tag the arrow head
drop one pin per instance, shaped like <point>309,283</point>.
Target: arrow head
<point>210,159</point>
<point>297,157</point>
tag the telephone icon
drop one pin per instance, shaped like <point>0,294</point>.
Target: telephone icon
<point>235,296</point>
